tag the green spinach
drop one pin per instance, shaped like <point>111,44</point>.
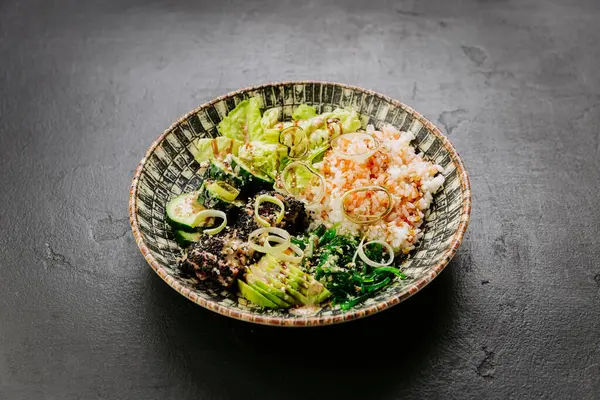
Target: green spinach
<point>348,278</point>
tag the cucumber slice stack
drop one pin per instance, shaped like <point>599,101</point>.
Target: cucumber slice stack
<point>183,210</point>
<point>225,182</point>
<point>182,214</point>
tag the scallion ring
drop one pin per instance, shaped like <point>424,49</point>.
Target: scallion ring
<point>367,218</point>
<point>280,253</point>
<point>204,214</point>
<point>296,141</point>
<point>371,142</point>
<point>270,199</point>
<point>277,232</point>
<point>368,261</point>
<point>225,190</point>
<point>290,183</point>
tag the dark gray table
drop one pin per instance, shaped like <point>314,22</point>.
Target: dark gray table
<point>86,86</point>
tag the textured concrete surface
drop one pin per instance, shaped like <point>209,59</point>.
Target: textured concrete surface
<point>85,86</point>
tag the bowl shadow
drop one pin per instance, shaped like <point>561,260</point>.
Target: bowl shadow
<point>367,358</point>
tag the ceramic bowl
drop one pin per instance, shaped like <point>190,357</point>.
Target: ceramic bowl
<point>168,169</point>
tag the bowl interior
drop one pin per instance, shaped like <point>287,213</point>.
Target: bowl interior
<point>169,169</point>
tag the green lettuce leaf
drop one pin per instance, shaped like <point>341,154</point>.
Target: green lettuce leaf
<point>304,111</point>
<point>269,118</point>
<point>243,122</point>
<point>226,146</point>
<point>204,149</point>
<point>270,136</point>
<point>318,138</point>
<point>268,158</point>
<point>349,119</point>
<point>299,178</point>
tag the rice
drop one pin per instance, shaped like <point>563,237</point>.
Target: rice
<point>410,180</point>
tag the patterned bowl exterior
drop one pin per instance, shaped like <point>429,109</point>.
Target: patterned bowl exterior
<point>168,169</point>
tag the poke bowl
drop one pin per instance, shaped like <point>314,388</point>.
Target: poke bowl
<point>300,203</point>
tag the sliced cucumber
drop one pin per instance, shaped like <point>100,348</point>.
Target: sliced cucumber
<point>182,211</point>
<point>219,171</point>
<point>217,195</point>
<point>256,179</point>
<point>186,238</point>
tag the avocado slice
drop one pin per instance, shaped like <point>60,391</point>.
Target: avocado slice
<point>279,292</point>
<point>298,272</point>
<point>272,267</point>
<point>258,277</point>
<point>255,297</point>
<point>298,280</point>
<point>284,282</point>
<point>324,295</point>
<point>307,286</point>
<point>298,296</point>
<point>293,284</point>
<point>270,296</point>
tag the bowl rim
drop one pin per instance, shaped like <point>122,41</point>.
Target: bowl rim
<point>349,315</point>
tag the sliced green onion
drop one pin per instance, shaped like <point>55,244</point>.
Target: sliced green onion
<point>372,146</point>
<point>296,141</point>
<point>290,173</point>
<point>281,234</point>
<point>202,215</point>
<point>367,260</point>
<point>280,253</point>
<point>224,190</point>
<point>364,219</point>
<point>270,199</point>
